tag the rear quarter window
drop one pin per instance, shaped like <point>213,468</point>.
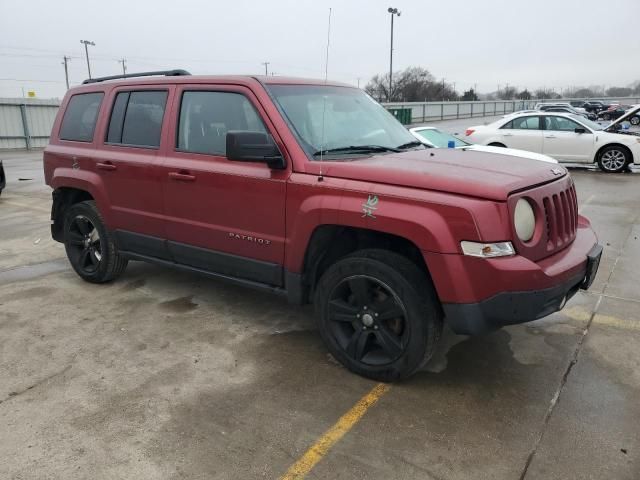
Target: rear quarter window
<point>79,121</point>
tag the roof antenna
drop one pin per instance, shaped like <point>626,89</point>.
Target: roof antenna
<point>324,103</point>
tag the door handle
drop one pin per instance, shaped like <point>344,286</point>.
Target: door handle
<point>182,177</point>
<point>106,166</point>
<point>549,136</point>
<point>507,134</point>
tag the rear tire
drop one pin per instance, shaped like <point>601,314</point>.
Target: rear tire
<point>90,247</point>
<point>378,314</point>
<point>614,159</point>
<point>634,120</point>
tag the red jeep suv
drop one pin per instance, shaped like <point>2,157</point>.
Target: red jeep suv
<point>312,190</point>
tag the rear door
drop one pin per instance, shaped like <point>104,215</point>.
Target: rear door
<point>524,133</point>
<point>222,216</point>
<point>562,142</point>
<point>129,166</point>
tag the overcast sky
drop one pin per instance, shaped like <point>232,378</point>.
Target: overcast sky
<point>535,43</point>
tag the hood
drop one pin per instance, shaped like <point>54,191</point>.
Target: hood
<point>459,171</point>
<point>632,111</point>
<point>511,152</point>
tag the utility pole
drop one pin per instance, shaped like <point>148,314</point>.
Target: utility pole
<point>123,61</point>
<point>393,12</point>
<point>86,52</point>
<point>65,61</point>
<point>443,89</point>
<point>358,82</point>
<point>266,68</point>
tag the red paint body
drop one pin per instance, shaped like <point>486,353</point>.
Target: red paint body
<point>433,198</point>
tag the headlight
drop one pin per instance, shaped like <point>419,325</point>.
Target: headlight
<point>524,220</point>
<point>487,250</point>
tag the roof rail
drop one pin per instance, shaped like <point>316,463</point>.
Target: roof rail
<point>166,73</point>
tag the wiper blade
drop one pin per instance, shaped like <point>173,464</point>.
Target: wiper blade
<point>414,143</point>
<point>356,148</point>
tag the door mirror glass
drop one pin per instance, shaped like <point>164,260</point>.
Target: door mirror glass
<point>246,146</point>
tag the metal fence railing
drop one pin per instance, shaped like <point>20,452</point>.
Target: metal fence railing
<point>25,123</point>
<point>423,112</point>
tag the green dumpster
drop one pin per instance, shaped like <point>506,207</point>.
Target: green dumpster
<point>402,114</point>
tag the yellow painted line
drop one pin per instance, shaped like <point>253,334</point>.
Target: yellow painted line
<point>581,315</point>
<point>22,205</point>
<point>318,450</point>
<point>616,322</point>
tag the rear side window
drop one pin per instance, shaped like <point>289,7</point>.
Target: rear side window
<point>523,123</point>
<point>136,118</point>
<point>79,121</point>
<point>206,117</point>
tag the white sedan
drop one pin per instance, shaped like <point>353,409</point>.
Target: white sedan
<point>565,137</point>
<point>432,137</point>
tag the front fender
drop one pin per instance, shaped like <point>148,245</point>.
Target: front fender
<point>433,221</point>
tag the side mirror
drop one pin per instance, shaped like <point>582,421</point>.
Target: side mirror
<point>580,130</point>
<point>243,146</point>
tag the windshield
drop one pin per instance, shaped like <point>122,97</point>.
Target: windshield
<point>440,139</point>
<point>351,119</point>
<point>588,123</point>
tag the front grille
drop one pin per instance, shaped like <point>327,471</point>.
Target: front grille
<point>561,214</point>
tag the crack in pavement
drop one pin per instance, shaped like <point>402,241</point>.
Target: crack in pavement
<point>574,358</point>
<point>13,395</point>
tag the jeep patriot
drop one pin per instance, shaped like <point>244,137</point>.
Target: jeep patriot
<point>312,190</point>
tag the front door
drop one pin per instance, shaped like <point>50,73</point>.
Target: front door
<point>562,142</point>
<point>222,216</point>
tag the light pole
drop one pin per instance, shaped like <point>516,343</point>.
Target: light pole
<point>86,52</point>
<point>123,61</point>
<point>393,12</point>
<point>266,68</point>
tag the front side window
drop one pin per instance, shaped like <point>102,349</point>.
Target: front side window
<point>206,117</point>
<point>523,123</point>
<point>79,121</point>
<point>136,118</point>
<point>340,121</point>
<point>561,124</point>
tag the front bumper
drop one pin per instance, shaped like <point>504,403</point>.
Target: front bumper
<point>509,308</point>
<point>481,295</point>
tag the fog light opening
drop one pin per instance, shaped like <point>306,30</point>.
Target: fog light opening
<point>563,303</point>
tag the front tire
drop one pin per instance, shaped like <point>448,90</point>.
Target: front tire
<point>89,245</point>
<point>634,120</point>
<point>614,159</point>
<point>378,314</point>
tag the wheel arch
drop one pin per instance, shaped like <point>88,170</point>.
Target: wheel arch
<point>613,144</point>
<point>329,243</point>
<point>63,198</point>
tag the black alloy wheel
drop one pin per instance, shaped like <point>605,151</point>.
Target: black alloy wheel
<point>368,320</point>
<point>84,247</point>
<point>378,314</point>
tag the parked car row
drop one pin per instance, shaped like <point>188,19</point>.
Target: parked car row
<point>567,137</point>
<point>565,108</point>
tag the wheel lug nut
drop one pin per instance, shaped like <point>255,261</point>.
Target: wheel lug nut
<point>375,327</point>
<point>365,307</point>
<point>375,314</point>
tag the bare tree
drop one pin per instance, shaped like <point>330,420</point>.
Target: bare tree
<point>414,84</point>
